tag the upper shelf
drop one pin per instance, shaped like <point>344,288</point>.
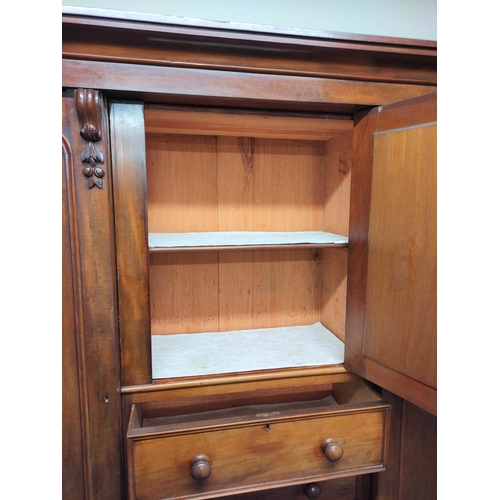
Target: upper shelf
<point>243,240</point>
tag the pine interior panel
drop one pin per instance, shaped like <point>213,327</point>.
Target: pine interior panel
<point>184,293</point>
<point>182,183</point>
<point>400,313</point>
<point>336,205</point>
<point>229,183</point>
<point>333,291</point>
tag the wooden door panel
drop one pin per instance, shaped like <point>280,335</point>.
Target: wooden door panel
<point>400,319</point>
<point>391,304</point>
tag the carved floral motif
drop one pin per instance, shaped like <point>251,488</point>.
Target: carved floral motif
<point>88,109</point>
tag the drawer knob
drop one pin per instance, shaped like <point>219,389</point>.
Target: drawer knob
<point>312,491</point>
<point>200,468</point>
<point>332,450</point>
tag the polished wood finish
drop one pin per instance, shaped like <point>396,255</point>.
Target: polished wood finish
<point>332,450</point>
<point>391,330</point>
<point>387,483</point>
<point>344,73</point>
<point>92,433</point>
<point>201,468</point>
<point>73,479</point>
<point>139,62</point>
<point>312,491</point>
<point>418,473</point>
<point>225,88</point>
<point>344,488</point>
<point>294,379</point>
<point>130,212</point>
<point>195,43</point>
<point>401,285</point>
<point>89,105</point>
<point>193,121</point>
<point>417,392</point>
<point>287,442</point>
<point>412,465</point>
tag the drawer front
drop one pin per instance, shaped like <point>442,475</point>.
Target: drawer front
<point>248,457</point>
<point>345,488</point>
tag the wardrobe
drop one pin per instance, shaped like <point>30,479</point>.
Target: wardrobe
<point>249,261</point>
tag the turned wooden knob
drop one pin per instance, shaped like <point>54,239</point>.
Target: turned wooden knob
<point>312,490</point>
<point>332,450</point>
<point>200,468</point>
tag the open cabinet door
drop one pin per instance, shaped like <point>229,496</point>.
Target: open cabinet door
<point>391,291</point>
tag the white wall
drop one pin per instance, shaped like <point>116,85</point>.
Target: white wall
<point>400,18</point>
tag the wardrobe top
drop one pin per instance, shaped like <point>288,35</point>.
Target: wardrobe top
<point>107,17</point>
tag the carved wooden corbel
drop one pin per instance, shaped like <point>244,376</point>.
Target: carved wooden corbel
<point>88,109</point>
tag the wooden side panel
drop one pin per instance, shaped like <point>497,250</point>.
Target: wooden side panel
<point>73,477</point>
<point>412,467</point>
<point>364,127</point>
<point>337,192</point>
<point>387,482</point>
<point>333,290</point>
<point>418,472</point>
<point>337,184</point>
<point>90,213</point>
<point>391,301</point>
<point>129,175</point>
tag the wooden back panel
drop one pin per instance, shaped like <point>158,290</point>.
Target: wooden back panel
<point>203,183</point>
<point>210,183</point>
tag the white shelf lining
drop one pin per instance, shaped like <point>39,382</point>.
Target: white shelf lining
<point>213,353</point>
<point>243,238</point>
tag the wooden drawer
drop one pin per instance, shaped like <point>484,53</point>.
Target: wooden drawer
<point>257,447</point>
<point>344,488</point>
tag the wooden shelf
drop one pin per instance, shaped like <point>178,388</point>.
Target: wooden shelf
<point>243,240</point>
<point>214,353</point>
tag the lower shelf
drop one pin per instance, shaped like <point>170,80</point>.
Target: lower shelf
<point>212,353</point>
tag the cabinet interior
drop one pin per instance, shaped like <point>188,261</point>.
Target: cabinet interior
<point>288,175</point>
